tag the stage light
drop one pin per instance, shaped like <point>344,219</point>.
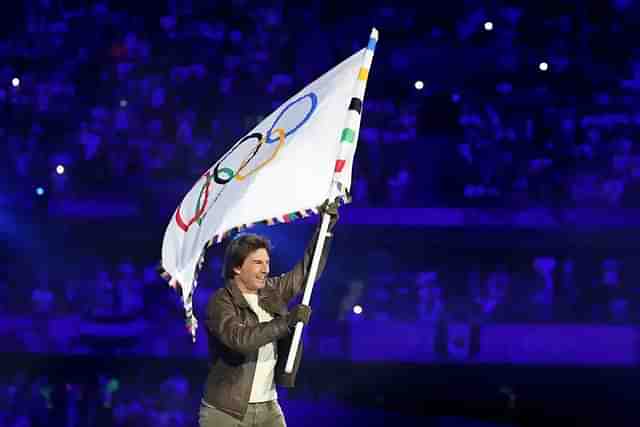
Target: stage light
<point>40,191</point>
<point>15,82</point>
<point>60,169</point>
<point>419,84</point>
<point>123,103</point>
<point>488,25</point>
<point>357,309</point>
<point>543,66</point>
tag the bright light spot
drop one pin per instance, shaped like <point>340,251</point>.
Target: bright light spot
<point>419,85</point>
<point>15,82</point>
<point>488,25</point>
<point>543,66</point>
<point>357,309</point>
<point>39,191</point>
<point>123,103</point>
<point>59,169</point>
<point>455,98</point>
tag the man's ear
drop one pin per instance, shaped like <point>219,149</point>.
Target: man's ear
<point>236,270</point>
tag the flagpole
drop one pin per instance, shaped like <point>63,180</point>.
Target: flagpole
<point>348,143</point>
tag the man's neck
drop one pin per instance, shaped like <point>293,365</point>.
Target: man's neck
<point>242,288</point>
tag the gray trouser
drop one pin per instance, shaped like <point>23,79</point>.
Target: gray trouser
<point>264,414</point>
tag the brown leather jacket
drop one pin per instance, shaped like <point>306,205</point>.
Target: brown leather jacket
<point>235,335</point>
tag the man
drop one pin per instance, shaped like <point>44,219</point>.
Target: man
<point>250,330</point>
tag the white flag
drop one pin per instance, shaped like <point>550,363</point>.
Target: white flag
<point>285,167</point>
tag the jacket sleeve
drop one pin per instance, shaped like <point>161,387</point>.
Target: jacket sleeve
<point>223,322</point>
<point>292,283</point>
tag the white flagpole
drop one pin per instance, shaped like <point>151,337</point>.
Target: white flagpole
<point>349,136</point>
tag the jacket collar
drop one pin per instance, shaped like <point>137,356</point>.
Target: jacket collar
<point>236,295</point>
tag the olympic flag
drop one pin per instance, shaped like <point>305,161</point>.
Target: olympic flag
<point>283,169</point>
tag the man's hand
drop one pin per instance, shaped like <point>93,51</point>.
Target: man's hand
<point>300,313</point>
<point>330,209</point>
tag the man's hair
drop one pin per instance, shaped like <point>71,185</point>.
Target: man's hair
<point>239,249</point>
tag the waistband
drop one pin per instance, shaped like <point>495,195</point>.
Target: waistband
<point>266,402</point>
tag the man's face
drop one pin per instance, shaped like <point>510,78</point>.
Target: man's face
<point>253,272</point>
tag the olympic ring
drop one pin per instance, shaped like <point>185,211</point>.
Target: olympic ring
<point>230,172</point>
<point>261,165</point>
<point>314,104</point>
<point>200,210</point>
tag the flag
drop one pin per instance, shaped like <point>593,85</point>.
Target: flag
<point>281,170</point>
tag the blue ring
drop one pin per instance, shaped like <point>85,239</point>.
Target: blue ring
<point>314,104</point>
